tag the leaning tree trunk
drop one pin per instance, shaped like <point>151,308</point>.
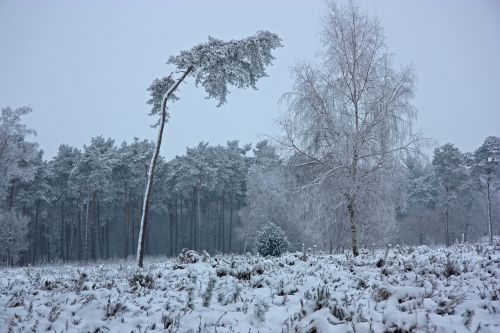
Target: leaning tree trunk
<point>152,167</point>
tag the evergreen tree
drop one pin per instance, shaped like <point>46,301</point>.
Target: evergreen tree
<point>486,169</point>
<point>448,163</point>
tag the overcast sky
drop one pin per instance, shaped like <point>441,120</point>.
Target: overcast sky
<point>84,66</point>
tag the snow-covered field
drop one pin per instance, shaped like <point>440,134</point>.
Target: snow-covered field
<point>414,290</point>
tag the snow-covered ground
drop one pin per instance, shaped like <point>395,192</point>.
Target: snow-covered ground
<point>414,290</point>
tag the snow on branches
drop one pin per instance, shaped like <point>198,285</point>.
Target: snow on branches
<point>217,64</point>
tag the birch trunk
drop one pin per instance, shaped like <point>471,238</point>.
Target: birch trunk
<point>352,217</point>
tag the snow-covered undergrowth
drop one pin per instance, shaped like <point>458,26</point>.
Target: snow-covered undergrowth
<point>412,290</point>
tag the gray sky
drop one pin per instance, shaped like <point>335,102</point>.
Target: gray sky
<point>84,66</point>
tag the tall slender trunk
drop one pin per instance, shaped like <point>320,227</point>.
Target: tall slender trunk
<point>99,230</point>
<point>171,231</point>
<point>219,231</point>
<point>37,231</point>
<point>133,228</point>
<point>193,221</point>
<point>87,228</point>
<point>107,239</point>
<point>176,233</point>
<point>67,239</point>
<point>127,226</point>
<point>216,225</point>
<point>198,216</point>
<point>231,225</point>
<point>152,167</point>
<point>490,228</point>
<point>183,235</point>
<point>446,213</point>
<point>62,229</point>
<point>352,196</point>
<point>93,236</point>
<point>447,228</point>
<point>176,246</point>
<point>79,229</point>
<point>208,225</point>
<point>223,236</point>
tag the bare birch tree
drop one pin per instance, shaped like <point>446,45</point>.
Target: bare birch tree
<point>350,117</point>
<point>215,65</point>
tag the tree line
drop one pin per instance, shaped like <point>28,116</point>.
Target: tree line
<point>85,204</point>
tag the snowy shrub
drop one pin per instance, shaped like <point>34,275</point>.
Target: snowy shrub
<point>468,316</point>
<point>285,289</point>
<point>381,294</point>
<point>207,295</point>
<point>237,293</point>
<point>451,268</point>
<point>54,313</point>
<point>140,280</point>
<point>222,271</point>
<point>190,299</point>
<point>260,309</point>
<point>281,288</point>
<point>290,260</point>
<point>113,308</point>
<point>338,312</point>
<point>189,256</point>
<point>167,320</point>
<point>15,301</point>
<point>362,284</point>
<point>380,262</point>
<point>257,283</point>
<point>321,297</point>
<point>271,240</point>
<point>258,270</point>
<point>243,274</point>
